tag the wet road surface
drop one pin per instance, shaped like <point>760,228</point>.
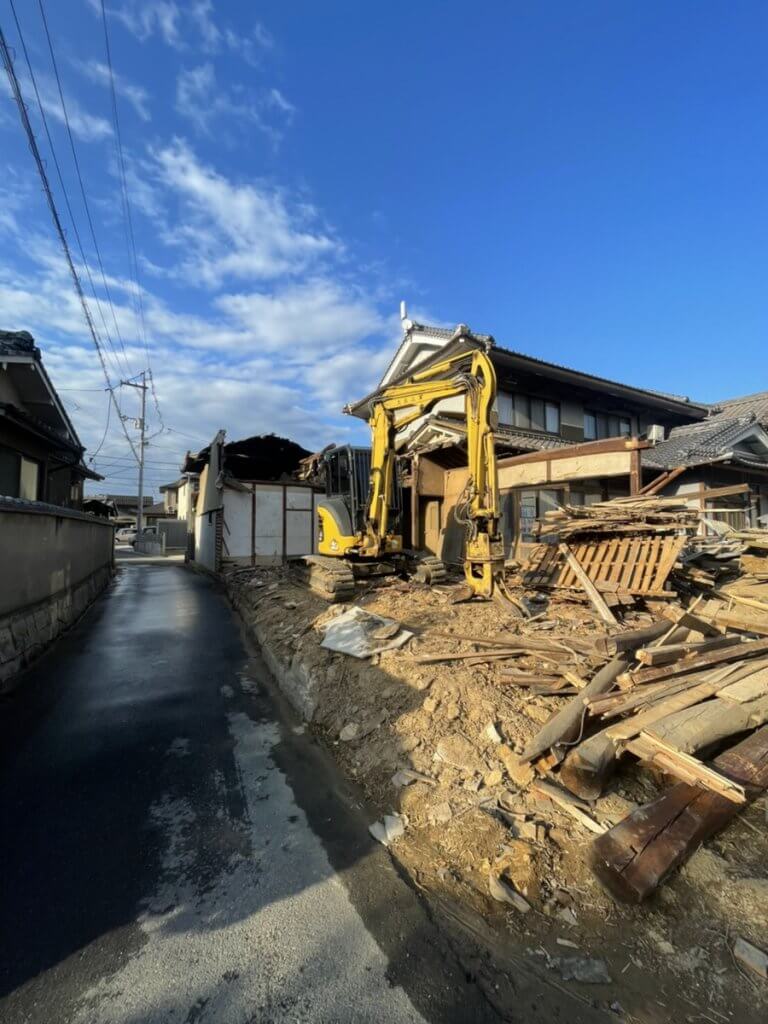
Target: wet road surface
<point>173,848</point>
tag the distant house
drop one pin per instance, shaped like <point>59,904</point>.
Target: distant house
<point>170,496</point>
<point>126,506</point>
<point>41,457</point>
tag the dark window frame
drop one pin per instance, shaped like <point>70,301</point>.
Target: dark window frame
<point>607,424</point>
<point>522,419</point>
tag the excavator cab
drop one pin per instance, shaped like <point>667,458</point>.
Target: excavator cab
<point>342,513</point>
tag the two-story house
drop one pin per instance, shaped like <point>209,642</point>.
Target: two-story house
<point>563,436</point>
<point>41,457</point>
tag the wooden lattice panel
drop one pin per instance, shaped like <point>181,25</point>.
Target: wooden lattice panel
<point>630,565</point>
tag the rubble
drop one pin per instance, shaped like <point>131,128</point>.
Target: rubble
<point>533,750</point>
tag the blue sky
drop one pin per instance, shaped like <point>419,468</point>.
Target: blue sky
<point>587,182</point>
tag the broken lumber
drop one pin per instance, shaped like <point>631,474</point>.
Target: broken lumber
<point>631,639</point>
<point>590,589</point>
<point>634,857</point>
<point>668,653</point>
<point>651,675</point>
<point>684,767</point>
<point>588,766</point>
<point>695,622</point>
<point>713,721</point>
<point>565,726</point>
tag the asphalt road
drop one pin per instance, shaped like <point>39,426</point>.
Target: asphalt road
<point>173,847</point>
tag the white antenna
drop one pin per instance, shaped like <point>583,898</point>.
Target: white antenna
<point>407,324</point>
<point>403,311</point>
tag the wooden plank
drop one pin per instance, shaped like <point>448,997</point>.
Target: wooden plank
<point>671,549</point>
<point>634,857</point>
<point>631,639</point>
<point>744,650</point>
<point>725,492</point>
<point>685,768</point>
<point>601,607</point>
<point>669,653</point>
<point>691,621</point>
<point>629,564</point>
<point>588,766</point>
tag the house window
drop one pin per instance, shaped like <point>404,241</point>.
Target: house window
<point>528,413</point>
<point>19,477</point>
<point>598,425</point>
<point>552,417</point>
<point>29,479</point>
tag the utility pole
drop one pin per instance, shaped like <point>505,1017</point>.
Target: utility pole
<point>142,444</point>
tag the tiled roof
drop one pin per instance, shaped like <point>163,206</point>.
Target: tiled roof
<point>746,405</point>
<point>18,343</point>
<point>448,333</point>
<point>529,440</point>
<point>697,443</point>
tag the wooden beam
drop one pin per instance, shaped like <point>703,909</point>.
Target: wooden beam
<point>651,675</point>
<point>635,472</point>
<point>635,856</point>
<point>684,767</point>
<point>724,492</point>
<point>661,482</point>
<point>592,592</point>
<point>609,445</point>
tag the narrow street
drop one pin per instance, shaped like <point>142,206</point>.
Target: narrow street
<point>174,848</point>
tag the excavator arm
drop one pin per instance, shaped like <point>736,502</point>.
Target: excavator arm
<point>471,374</point>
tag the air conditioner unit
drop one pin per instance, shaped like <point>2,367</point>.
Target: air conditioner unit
<point>655,433</point>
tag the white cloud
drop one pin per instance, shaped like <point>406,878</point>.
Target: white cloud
<point>305,318</point>
<point>204,102</point>
<point>85,126</point>
<point>234,230</point>
<point>145,18</point>
<point>136,95</point>
<point>167,19</point>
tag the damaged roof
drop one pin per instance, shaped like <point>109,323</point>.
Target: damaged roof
<point>264,457</point>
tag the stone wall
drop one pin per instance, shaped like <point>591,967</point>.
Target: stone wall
<point>53,563</point>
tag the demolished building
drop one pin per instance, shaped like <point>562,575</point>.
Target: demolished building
<point>250,508</point>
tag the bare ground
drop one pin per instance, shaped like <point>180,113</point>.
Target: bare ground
<point>669,959</point>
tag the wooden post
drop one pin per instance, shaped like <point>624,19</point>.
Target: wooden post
<point>415,503</point>
<point>635,472</point>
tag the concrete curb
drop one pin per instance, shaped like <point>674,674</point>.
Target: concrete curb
<point>295,678</point>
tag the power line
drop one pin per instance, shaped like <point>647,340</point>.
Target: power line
<point>104,436</point>
<point>80,181</point>
<point>32,142</point>
<point>63,187</point>
<point>128,219</point>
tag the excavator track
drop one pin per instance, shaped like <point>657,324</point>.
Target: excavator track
<point>429,570</point>
<point>329,578</point>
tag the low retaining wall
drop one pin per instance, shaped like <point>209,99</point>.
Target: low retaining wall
<point>296,678</point>
<point>54,563</point>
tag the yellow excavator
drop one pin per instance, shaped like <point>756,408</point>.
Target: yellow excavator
<point>359,537</point>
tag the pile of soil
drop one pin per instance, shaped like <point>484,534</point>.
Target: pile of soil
<point>477,814</point>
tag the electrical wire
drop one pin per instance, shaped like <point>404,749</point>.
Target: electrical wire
<point>80,181</point>
<point>32,142</point>
<point>63,187</point>
<point>104,435</point>
<point>133,262</point>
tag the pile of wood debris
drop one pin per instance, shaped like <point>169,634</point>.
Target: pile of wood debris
<point>527,759</point>
<point>689,683</point>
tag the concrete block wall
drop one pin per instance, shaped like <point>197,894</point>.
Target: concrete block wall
<point>53,563</point>
<point>25,634</point>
